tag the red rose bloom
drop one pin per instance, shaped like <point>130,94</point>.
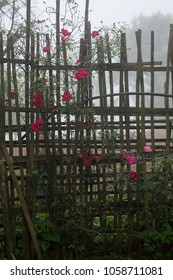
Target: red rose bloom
<point>133,176</point>
<point>67,96</point>
<point>46,48</point>
<point>131,159</point>
<point>38,100</point>
<point>95,34</point>
<point>39,121</point>
<point>81,74</point>
<point>147,148</point>
<point>36,126</point>
<point>65,32</point>
<point>13,95</point>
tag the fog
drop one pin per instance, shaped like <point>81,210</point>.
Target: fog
<point>110,11</point>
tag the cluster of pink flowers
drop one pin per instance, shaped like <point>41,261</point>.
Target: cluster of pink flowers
<point>88,158</point>
<point>131,159</point>
<point>37,125</point>
<point>38,100</point>
<point>38,104</point>
<point>65,34</point>
<point>67,96</point>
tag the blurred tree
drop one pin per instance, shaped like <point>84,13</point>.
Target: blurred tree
<point>160,24</point>
<point>10,14</point>
<point>11,18</point>
<point>157,22</point>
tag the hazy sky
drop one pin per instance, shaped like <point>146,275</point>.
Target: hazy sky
<point>124,10</point>
<point>110,11</point>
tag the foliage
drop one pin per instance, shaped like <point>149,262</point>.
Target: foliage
<point>158,244</point>
<point>149,232</point>
<point>46,233</point>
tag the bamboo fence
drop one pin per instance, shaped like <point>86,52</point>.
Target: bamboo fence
<point>69,194</point>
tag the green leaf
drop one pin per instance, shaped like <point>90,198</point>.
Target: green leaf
<point>44,245</point>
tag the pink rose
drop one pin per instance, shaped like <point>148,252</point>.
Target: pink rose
<point>46,48</point>
<point>81,74</point>
<point>13,95</point>
<point>39,121</point>
<point>131,159</point>
<point>38,100</point>
<point>133,175</point>
<point>67,96</point>
<point>36,126</point>
<point>95,34</point>
<point>65,32</point>
<point>147,148</point>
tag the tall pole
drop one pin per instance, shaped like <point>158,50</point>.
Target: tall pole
<point>86,16</point>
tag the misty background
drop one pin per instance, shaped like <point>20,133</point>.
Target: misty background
<point>148,15</point>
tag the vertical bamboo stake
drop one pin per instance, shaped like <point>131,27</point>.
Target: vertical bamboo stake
<point>152,90</point>
<point>4,195</point>
<point>167,86</point>
<point>141,168</point>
